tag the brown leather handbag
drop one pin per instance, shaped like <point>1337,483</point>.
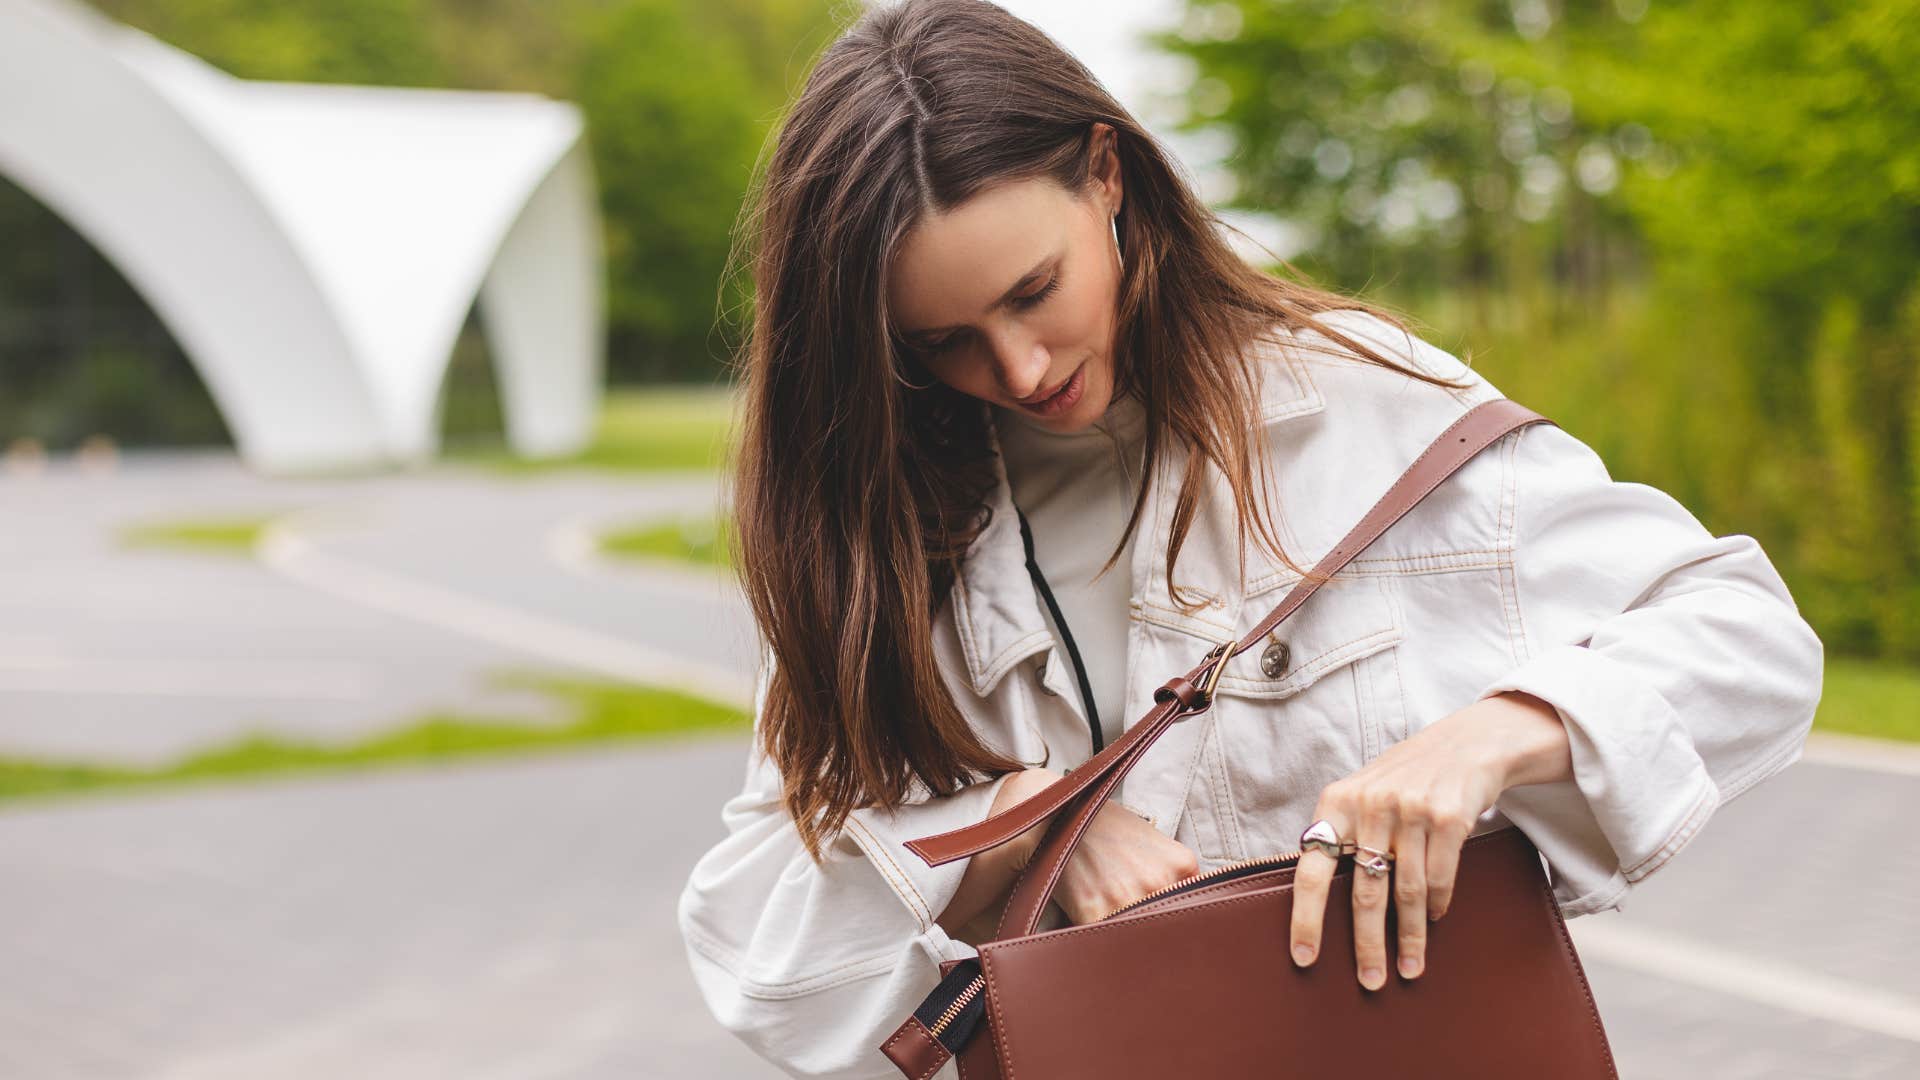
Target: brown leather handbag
<point>1195,980</point>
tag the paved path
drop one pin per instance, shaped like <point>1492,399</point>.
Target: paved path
<point>508,920</point>
<point>141,655</point>
<point>1724,962</point>
<point>513,919</point>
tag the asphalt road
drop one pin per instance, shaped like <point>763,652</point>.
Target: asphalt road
<point>378,600</point>
<point>514,919</point>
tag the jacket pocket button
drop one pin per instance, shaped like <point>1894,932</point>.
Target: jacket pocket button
<point>1273,659</point>
<point>1040,673</point>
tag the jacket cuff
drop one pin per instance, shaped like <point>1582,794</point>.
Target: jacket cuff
<point>925,890</point>
<point>1618,729</point>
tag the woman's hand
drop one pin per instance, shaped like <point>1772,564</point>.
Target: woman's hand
<point>1419,800</point>
<point>1120,859</point>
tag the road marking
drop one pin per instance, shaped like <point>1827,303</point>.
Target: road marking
<point>1787,987</point>
<point>1862,752</point>
<point>282,549</point>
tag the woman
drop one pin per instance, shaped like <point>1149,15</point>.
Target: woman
<point>991,318</point>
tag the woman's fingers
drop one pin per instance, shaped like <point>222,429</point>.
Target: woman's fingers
<point>1410,897</point>
<point>1370,903</point>
<point>1443,864</point>
<point>1121,859</point>
<point>1312,876</point>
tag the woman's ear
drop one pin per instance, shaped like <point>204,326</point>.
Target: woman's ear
<point>1105,166</point>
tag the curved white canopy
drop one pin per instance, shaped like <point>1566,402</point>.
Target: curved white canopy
<point>315,249</point>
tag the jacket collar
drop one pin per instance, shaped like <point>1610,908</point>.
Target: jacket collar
<point>995,611</point>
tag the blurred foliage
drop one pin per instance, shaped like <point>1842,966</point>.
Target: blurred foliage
<point>80,354</point>
<point>471,413</point>
<point>1868,697</point>
<point>680,96</point>
<point>226,536</point>
<point>707,541</point>
<point>596,712</point>
<point>386,42</point>
<point>640,429</point>
<point>1688,231</point>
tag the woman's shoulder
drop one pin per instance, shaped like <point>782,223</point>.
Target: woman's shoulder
<point>1327,343</point>
<point>1348,427</point>
<point>1419,391</point>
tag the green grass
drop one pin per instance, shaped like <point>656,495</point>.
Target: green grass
<point>1868,697</point>
<point>234,536</point>
<point>641,429</point>
<point>697,540</point>
<point>601,712</point>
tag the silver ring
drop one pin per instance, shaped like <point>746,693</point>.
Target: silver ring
<point>1321,836</point>
<point>1374,861</point>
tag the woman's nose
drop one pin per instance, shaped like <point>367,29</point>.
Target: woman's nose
<point>1023,364</point>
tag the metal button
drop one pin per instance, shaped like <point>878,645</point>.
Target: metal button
<point>1040,672</point>
<point>1274,658</point>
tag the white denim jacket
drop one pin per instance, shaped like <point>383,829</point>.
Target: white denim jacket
<point>1677,660</point>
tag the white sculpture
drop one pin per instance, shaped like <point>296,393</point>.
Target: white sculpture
<point>313,248</point>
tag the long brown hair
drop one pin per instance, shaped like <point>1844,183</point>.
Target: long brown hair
<point>857,495</point>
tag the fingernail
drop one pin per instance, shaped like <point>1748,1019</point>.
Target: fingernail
<point>1434,916</point>
<point>1303,955</point>
<point>1372,978</point>
<point>1410,967</point>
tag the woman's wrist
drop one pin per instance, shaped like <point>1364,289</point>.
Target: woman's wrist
<point>990,875</point>
<point>1019,788</point>
<point>1530,741</point>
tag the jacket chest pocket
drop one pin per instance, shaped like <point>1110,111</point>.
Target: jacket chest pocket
<point>1310,703</point>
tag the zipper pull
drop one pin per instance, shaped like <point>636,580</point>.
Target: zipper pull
<point>943,1024</point>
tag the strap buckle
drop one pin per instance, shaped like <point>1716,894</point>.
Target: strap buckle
<point>1218,654</point>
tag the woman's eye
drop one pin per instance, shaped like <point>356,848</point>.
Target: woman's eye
<point>1021,302</point>
<point>1034,298</point>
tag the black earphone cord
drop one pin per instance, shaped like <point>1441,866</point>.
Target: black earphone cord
<point>1059,620</point>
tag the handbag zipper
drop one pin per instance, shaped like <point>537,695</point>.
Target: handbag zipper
<point>959,1005</point>
<point>1217,873</point>
<point>972,991</point>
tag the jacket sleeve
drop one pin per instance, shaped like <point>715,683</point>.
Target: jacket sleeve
<point>813,965</point>
<point>1677,660</point>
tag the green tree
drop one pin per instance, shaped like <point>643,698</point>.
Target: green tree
<point>333,41</point>
<point>1408,158</point>
<point>680,97</point>
<point>1731,192</point>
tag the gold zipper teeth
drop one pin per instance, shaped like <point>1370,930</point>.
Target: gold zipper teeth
<point>959,1005</point>
<point>1195,879</point>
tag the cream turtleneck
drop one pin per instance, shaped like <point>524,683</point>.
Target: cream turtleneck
<point>1076,490</point>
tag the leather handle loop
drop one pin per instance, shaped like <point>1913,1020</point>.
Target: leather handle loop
<point>1082,792</point>
<point>1180,689</point>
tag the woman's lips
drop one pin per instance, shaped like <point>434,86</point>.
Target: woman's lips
<point>1065,399</point>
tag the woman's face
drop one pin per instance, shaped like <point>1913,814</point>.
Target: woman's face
<point>1011,297</point>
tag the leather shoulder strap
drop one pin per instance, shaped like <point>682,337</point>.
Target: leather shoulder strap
<point>1091,784</point>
